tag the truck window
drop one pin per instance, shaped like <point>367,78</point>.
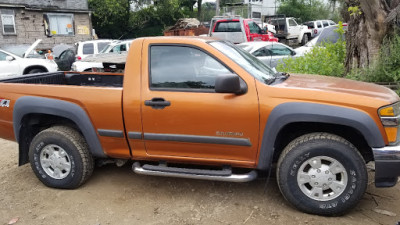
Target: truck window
<point>101,45</point>
<point>88,49</point>
<point>254,28</point>
<point>179,67</point>
<point>325,23</point>
<point>228,26</point>
<point>292,23</point>
<point>319,24</point>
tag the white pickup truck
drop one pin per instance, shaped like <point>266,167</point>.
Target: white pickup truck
<point>287,29</point>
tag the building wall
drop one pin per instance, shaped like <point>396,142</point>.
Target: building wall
<point>61,4</point>
<point>30,27</point>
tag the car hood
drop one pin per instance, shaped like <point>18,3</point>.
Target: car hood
<point>339,85</point>
<point>32,47</point>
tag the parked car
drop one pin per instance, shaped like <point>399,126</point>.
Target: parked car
<point>96,61</point>
<point>270,53</point>
<point>318,26</point>
<point>65,59</point>
<point>86,48</point>
<point>329,34</point>
<point>19,64</point>
<point>238,30</point>
<point>287,29</point>
<point>203,109</point>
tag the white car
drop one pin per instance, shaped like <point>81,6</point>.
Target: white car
<point>270,53</point>
<point>12,64</point>
<point>318,26</point>
<point>327,35</point>
<point>96,61</point>
<point>85,48</point>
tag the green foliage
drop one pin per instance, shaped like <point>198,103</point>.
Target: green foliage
<point>110,17</point>
<point>387,66</point>
<point>324,60</point>
<point>354,11</point>
<point>304,10</point>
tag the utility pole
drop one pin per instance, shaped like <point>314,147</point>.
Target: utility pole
<point>217,8</point>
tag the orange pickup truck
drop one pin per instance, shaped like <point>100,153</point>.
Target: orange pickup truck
<point>204,109</point>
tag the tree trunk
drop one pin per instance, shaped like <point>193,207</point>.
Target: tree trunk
<point>366,31</point>
<point>199,2</point>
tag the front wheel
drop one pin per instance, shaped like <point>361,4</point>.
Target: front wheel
<point>322,173</point>
<point>60,157</point>
<point>305,39</point>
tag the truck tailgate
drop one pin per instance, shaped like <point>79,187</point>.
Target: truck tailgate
<point>234,37</point>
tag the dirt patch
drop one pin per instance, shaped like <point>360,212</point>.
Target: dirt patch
<point>118,196</point>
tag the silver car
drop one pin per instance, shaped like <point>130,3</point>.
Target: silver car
<point>270,53</point>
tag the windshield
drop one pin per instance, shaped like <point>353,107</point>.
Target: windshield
<point>248,62</point>
<point>108,48</point>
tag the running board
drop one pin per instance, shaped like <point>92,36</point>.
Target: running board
<point>200,174</point>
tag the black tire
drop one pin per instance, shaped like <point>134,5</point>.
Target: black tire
<point>72,151</point>
<point>305,39</point>
<point>302,151</point>
<point>32,71</point>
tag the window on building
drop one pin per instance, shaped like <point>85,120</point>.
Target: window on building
<point>8,21</point>
<point>60,23</point>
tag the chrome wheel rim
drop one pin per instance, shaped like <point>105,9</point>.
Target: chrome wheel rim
<point>55,161</point>
<point>322,178</point>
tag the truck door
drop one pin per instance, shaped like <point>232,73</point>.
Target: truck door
<point>255,31</point>
<point>184,118</point>
<point>293,29</point>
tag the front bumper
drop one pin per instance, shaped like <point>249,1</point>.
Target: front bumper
<point>387,165</point>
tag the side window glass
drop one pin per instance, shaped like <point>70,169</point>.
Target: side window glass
<point>278,50</point>
<point>176,67</point>
<point>262,52</point>
<point>319,24</point>
<point>292,23</point>
<point>254,28</point>
<point>3,56</point>
<point>325,23</point>
<point>88,49</point>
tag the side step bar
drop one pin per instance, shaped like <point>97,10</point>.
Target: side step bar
<point>201,174</point>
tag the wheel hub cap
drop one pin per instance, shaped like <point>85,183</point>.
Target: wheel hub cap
<point>55,161</point>
<point>322,178</point>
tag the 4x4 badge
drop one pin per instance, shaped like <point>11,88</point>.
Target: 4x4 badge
<point>4,103</point>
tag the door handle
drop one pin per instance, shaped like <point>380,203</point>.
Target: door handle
<point>157,103</point>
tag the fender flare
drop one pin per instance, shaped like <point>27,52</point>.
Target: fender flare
<point>293,112</point>
<point>39,105</point>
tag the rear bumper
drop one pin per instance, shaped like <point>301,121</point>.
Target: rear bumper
<point>387,165</point>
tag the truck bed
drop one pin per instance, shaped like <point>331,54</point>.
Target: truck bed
<point>70,78</point>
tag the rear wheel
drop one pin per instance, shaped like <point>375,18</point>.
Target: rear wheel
<point>322,173</point>
<point>60,158</point>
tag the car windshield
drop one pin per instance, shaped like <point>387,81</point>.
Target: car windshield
<point>108,48</point>
<point>248,62</point>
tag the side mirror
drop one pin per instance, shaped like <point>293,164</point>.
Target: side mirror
<point>9,58</point>
<point>229,83</point>
<point>293,53</point>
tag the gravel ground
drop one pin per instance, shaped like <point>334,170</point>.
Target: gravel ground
<point>118,196</point>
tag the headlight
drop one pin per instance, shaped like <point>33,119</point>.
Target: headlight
<point>390,117</point>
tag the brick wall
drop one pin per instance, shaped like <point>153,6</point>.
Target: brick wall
<point>30,27</point>
<point>61,4</point>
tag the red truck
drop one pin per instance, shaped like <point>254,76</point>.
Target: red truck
<point>238,30</point>
<point>204,109</point>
